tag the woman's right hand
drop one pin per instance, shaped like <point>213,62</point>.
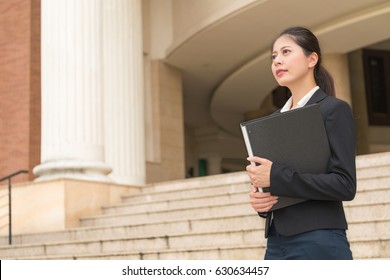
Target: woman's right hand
<point>262,201</point>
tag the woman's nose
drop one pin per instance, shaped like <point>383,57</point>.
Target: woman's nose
<point>277,61</point>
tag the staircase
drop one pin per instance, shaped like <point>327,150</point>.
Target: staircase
<point>204,218</point>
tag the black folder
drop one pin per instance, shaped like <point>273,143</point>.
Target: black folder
<point>296,138</point>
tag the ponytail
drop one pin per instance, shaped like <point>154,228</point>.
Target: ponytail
<point>324,80</point>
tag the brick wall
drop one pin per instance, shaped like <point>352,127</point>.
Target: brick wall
<point>19,87</point>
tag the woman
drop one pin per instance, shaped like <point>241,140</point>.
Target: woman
<point>314,229</point>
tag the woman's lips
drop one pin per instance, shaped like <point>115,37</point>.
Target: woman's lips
<point>280,72</point>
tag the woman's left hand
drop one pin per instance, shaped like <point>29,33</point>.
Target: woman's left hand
<point>260,174</point>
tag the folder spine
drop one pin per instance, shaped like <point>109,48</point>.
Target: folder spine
<point>248,146</point>
<point>247,142</point>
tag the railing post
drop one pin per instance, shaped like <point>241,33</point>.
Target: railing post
<point>10,201</point>
<point>9,213</point>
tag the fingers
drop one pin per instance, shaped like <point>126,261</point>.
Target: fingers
<point>263,207</point>
<point>260,178</point>
<point>258,160</point>
<point>259,175</point>
<point>262,202</point>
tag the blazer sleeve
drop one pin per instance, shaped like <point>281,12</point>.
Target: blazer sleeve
<point>339,183</point>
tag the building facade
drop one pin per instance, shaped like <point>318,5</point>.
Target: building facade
<point>142,91</point>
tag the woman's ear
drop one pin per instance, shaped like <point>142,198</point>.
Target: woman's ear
<point>313,59</point>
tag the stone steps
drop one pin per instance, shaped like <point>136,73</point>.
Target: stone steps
<point>366,223</point>
<point>143,229</point>
<point>249,243</point>
<point>365,249</point>
<point>107,246</point>
<point>367,197</point>
<point>205,207</point>
<point>180,202</point>
<point>234,200</point>
<point>362,212</point>
<point>239,183</point>
<point>204,218</point>
<point>363,221</point>
<point>248,252</point>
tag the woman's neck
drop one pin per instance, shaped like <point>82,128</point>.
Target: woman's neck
<point>298,92</point>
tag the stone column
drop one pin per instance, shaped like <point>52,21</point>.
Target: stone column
<point>214,164</point>
<point>208,147</point>
<point>72,91</point>
<point>124,96</point>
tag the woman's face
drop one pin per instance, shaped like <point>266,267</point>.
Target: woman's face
<point>290,65</point>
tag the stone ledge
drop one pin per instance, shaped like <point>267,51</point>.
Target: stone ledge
<point>59,204</point>
<point>373,160</point>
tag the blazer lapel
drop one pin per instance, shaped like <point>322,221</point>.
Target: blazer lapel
<point>318,96</point>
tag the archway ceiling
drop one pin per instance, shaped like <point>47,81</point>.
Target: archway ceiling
<point>226,66</point>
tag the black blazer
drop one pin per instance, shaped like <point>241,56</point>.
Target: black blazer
<point>325,192</point>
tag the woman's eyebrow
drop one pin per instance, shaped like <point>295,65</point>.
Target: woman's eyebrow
<point>282,48</point>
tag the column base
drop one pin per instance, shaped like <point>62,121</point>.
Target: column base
<point>58,205</point>
<point>72,169</point>
<point>134,180</point>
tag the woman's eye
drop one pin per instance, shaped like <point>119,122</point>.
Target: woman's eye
<point>273,56</point>
<point>286,51</point>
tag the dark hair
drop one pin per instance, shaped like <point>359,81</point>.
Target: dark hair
<point>304,38</point>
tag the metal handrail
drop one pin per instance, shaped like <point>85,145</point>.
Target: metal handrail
<point>9,177</point>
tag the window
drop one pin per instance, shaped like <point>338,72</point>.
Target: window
<point>376,70</point>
